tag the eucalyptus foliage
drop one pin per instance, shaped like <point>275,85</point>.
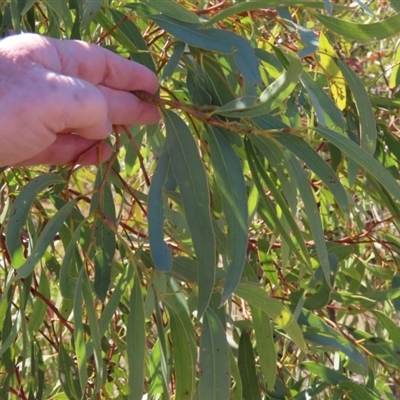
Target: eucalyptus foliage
<point>247,246</point>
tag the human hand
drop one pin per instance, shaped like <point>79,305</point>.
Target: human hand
<point>58,99</point>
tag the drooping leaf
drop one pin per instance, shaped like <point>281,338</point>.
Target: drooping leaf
<point>214,39</point>
<point>45,238</point>
<point>69,376</point>
<point>251,390</point>
<point>368,133</point>
<point>335,77</point>
<point>281,315</point>
<point>371,31</point>
<point>270,98</point>
<point>265,345</point>
<point>362,158</point>
<point>184,346</point>
<point>136,341</point>
<point>192,181</point>
<point>159,250</point>
<point>19,213</point>
<point>325,108</point>
<point>229,177</point>
<point>214,359</point>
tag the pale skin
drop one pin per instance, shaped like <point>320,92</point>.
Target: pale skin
<point>60,99</point>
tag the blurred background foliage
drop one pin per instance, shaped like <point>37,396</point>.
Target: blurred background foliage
<point>247,247</point>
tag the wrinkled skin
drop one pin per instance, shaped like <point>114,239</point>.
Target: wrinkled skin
<point>59,99</point>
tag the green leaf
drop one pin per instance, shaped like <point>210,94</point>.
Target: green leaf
<point>371,31</point>
<point>69,266</point>
<point>216,40</point>
<point>390,326</point>
<point>255,165</point>
<point>166,7</point>
<point>229,177</point>
<point>136,341</point>
<point>281,315</point>
<point>19,213</point>
<point>173,61</point>
<point>254,5</point>
<point>184,346</point>
<point>214,359</point>
<point>313,215</point>
<point>331,342</point>
<point>105,242</point>
<point>329,375</point>
<point>247,368</point>
<point>366,117</point>
<point>45,239</point>
<point>134,37</point>
<point>270,98</point>
<point>309,156</point>
<point>79,339</point>
<point>39,307</point>
<point>322,103</point>
<point>159,250</point>
<point>88,10</point>
<point>362,158</point>
<point>265,345</point>
<point>94,329</point>
<point>68,374</point>
<point>192,182</point>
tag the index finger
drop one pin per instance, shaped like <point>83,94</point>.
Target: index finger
<point>97,65</point>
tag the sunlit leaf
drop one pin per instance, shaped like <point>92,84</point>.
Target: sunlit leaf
<point>368,131</point>
<point>281,315</point>
<point>371,31</point>
<point>270,98</point>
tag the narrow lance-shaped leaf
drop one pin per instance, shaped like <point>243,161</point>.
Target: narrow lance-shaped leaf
<point>323,104</point>
<point>105,249</point>
<point>314,218</point>
<point>46,237</point>
<point>136,342</point>
<point>79,336</point>
<point>166,7</point>
<point>214,39</point>
<point>215,376</point>
<point>371,31</point>
<point>281,315</point>
<point>362,158</point>
<point>230,180</point>
<point>265,345</point>
<point>68,374</point>
<point>160,253</point>
<point>260,4</point>
<point>68,270</point>
<point>258,173</point>
<point>247,368</point>
<point>94,329</point>
<point>192,182</point>
<point>270,98</point>
<point>321,168</point>
<point>126,27</point>
<point>366,116</point>
<point>19,213</point>
<point>337,84</point>
<point>183,344</point>
<point>40,307</point>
